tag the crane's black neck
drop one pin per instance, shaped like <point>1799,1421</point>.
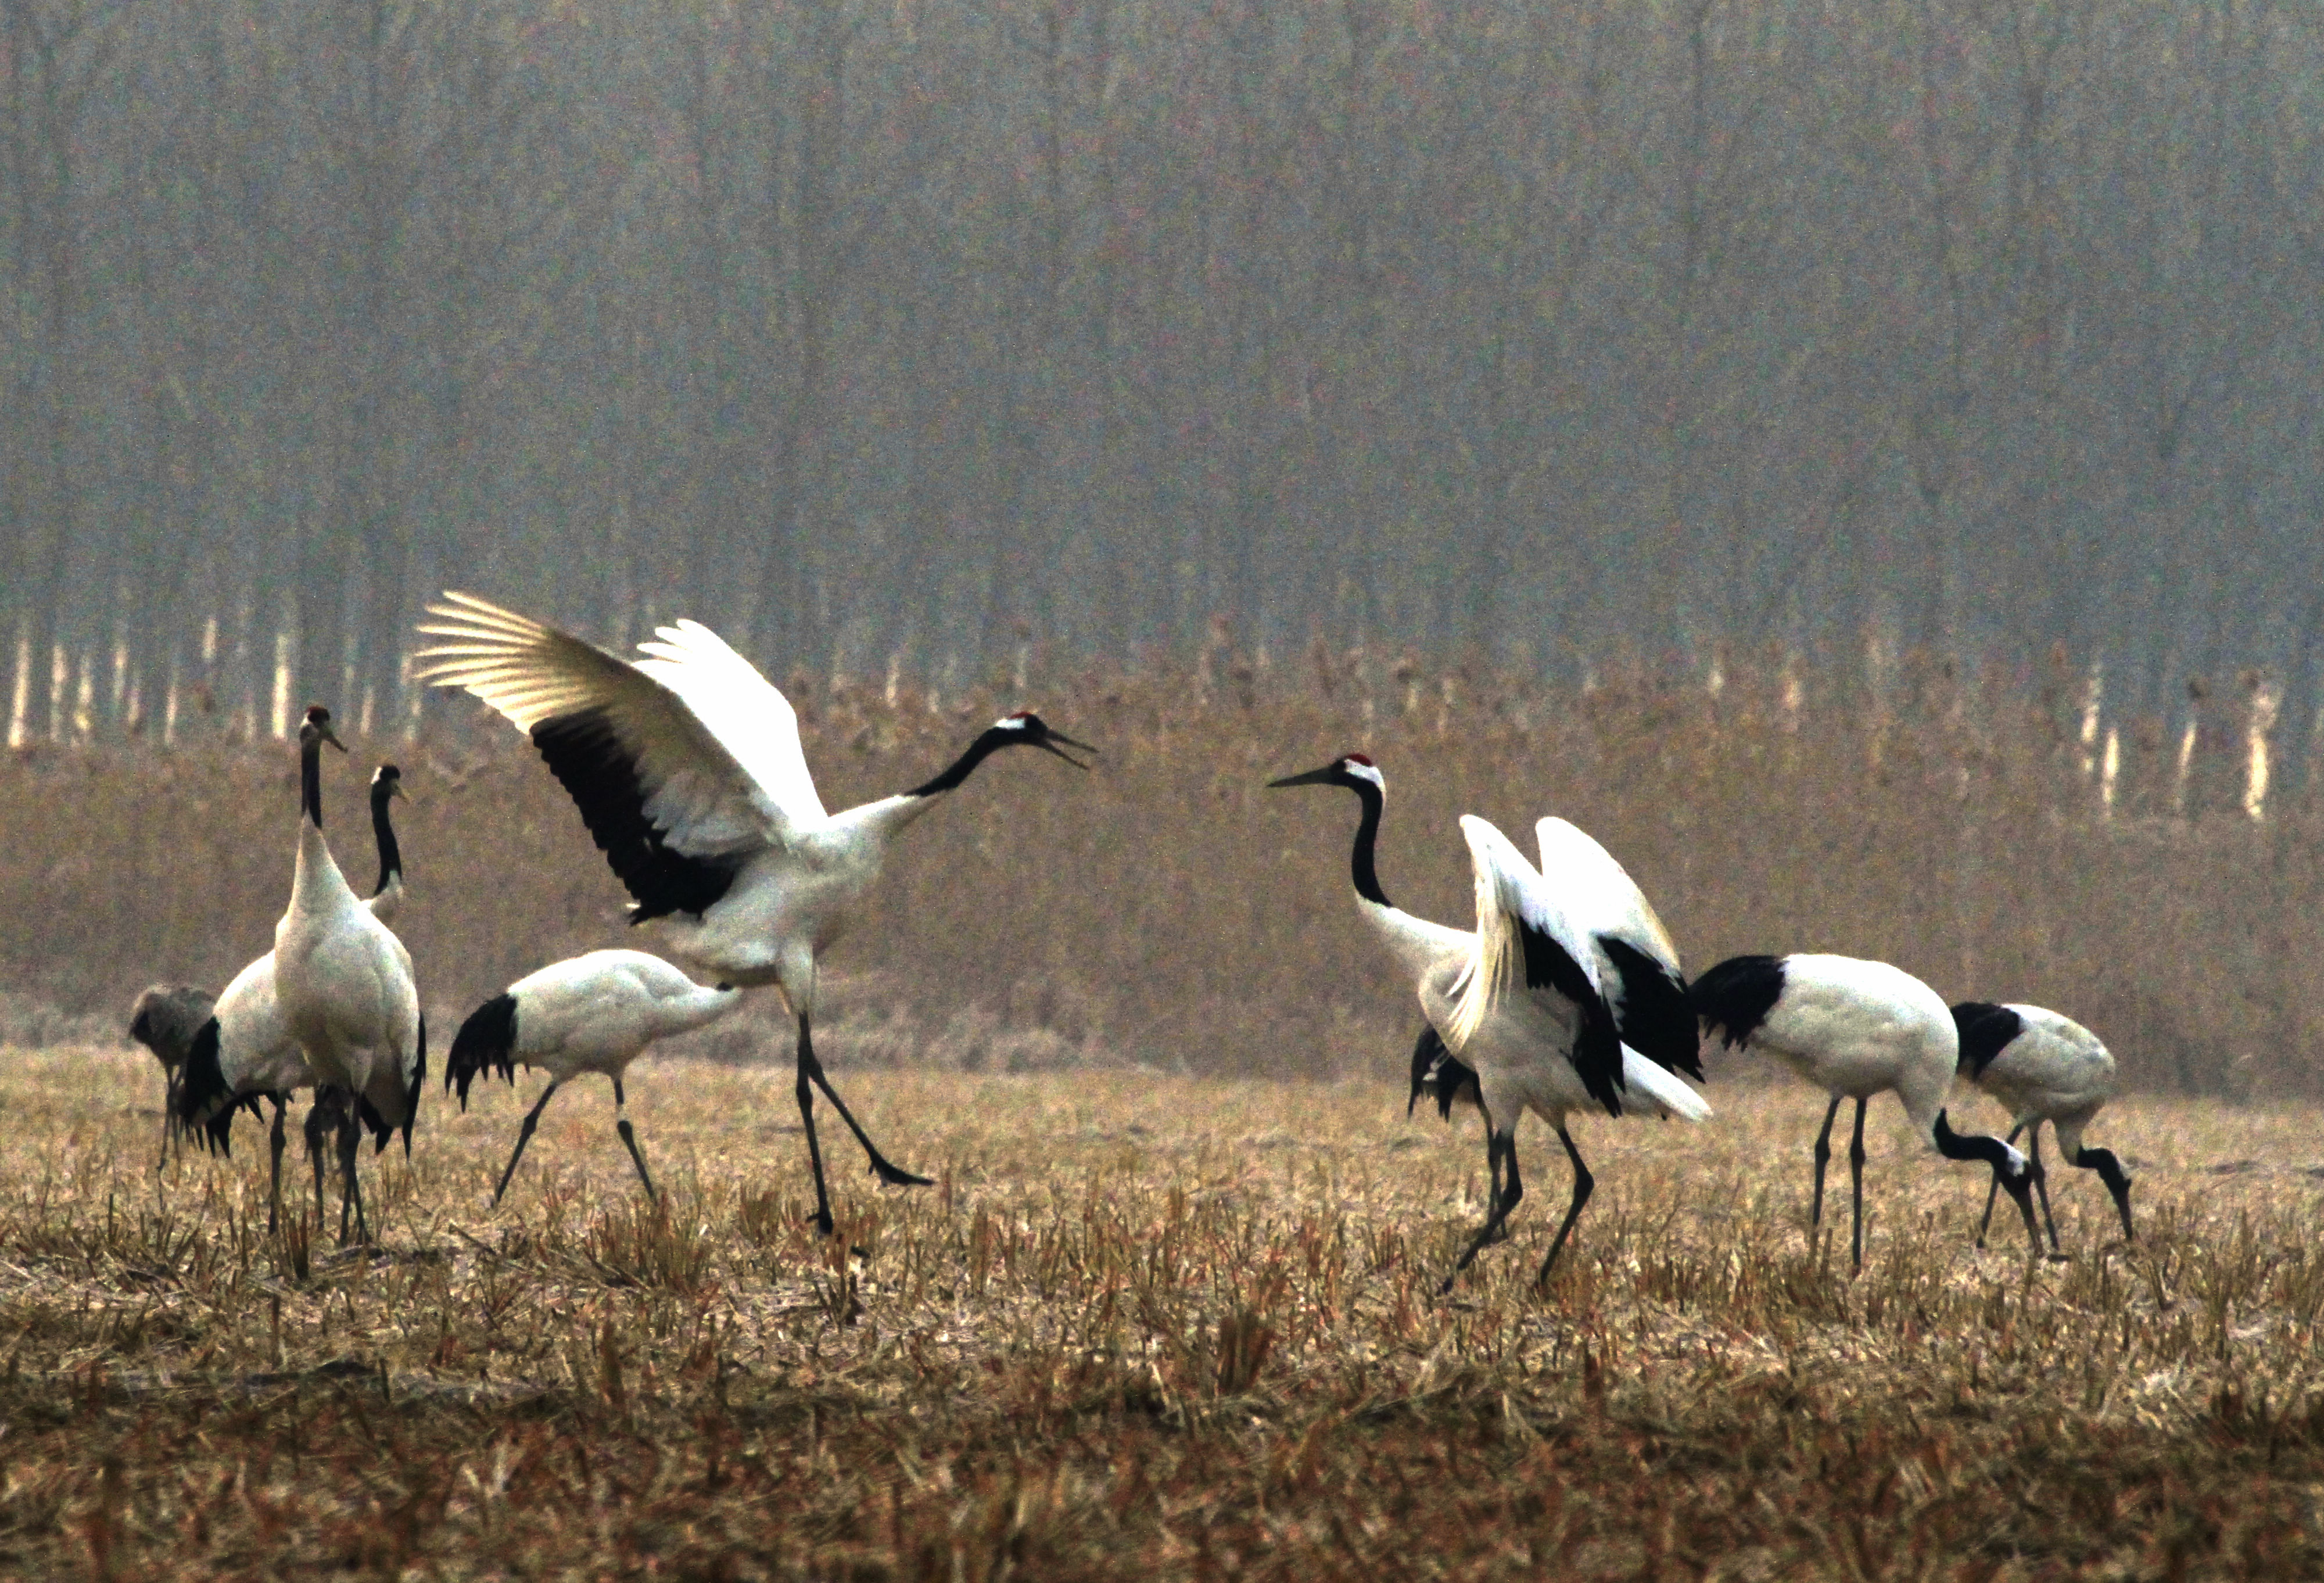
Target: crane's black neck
<point>391,855</point>
<point>987,744</point>
<point>1975,1145</point>
<point>311,776</point>
<point>1359,862</point>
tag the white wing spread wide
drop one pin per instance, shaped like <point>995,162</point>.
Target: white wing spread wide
<point>1603,898</point>
<point>1511,897</point>
<point>715,747</point>
<point>741,709</point>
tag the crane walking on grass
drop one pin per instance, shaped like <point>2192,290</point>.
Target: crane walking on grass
<point>2044,1067</point>
<point>687,769</point>
<point>596,1013</point>
<point>1521,1015</point>
<point>246,1055</point>
<point>1855,1029</point>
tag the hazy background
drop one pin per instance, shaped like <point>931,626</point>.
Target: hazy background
<point>1862,461</point>
<point>909,334</point>
<point>1167,909</point>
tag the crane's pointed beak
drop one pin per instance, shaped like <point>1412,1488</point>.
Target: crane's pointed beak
<point>1049,744</point>
<point>332,737</point>
<point>395,789</point>
<point>1327,775</point>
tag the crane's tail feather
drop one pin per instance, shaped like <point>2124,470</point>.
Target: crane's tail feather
<point>1654,1089</point>
<point>204,1104</point>
<point>1733,999</point>
<point>1655,1016</point>
<point>485,1043</point>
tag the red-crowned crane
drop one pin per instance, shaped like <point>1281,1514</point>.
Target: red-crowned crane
<point>343,982</point>
<point>687,768</point>
<point>596,1012</point>
<point>1518,1006</point>
<point>2044,1067</point>
<point>1854,1030</point>
<point>246,1055</point>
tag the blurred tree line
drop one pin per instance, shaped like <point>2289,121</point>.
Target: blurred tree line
<point>904,337</point>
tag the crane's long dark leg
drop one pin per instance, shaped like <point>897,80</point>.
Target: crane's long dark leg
<point>808,1071</point>
<point>1500,1148</point>
<point>275,1142</point>
<point>1493,1169</point>
<point>1822,1158</point>
<point>524,1136</point>
<point>630,1141</point>
<point>318,1128</point>
<point>350,1185</point>
<point>2042,1187</point>
<point>168,1116</point>
<point>1582,1185</point>
<point>1856,1185</point>
<point>894,1175</point>
<point>1993,1190</point>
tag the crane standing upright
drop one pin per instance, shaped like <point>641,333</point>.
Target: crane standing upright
<point>1518,1008</point>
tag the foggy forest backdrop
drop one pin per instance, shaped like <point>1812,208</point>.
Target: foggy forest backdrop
<point>1862,462</point>
<point>911,335</point>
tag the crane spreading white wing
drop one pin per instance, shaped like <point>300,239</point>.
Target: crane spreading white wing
<point>682,765</point>
<point>1529,944</point>
<point>1636,960</point>
<point>741,709</point>
<point>1598,891</point>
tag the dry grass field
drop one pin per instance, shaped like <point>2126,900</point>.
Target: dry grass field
<point>1150,1327</point>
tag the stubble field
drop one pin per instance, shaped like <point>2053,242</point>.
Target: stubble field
<point>1145,1326</point>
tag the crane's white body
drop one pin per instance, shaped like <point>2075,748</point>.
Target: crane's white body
<point>1855,1028</point>
<point>594,1013</point>
<point>599,1011</point>
<point>1517,1040</point>
<point>257,1052</point>
<point>2044,1066</point>
<point>1858,1029</point>
<point>2055,1070</point>
<point>790,902</point>
<point>344,985</point>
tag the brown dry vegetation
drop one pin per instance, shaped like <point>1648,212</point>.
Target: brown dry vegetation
<point>1146,1326</point>
<point>1167,911</point>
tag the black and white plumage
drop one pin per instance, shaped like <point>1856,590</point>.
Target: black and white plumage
<point>1636,960</point>
<point>1855,1028</point>
<point>595,1012</point>
<point>166,1019</point>
<point>1521,1016</point>
<point>687,768</point>
<point>345,986</point>
<point>248,1057</point>
<point>2043,1066</point>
